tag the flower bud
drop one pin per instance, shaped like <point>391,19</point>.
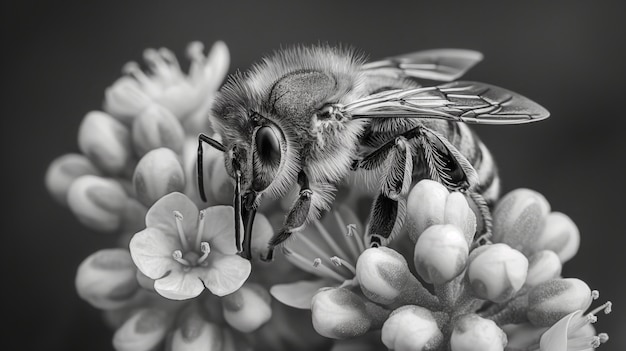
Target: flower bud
<point>97,202</point>
<point>383,274</point>
<point>144,330</point>
<point>125,99</point>
<point>247,308</point>
<point>543,266</point>
<point>196,334</point>
<point>411,328</point>
<point>63,171</point>
<point>339,313</point>
<point>560,234</point>
<point>105,141</point>
<point>425,206</point>
<point>496,272</point>
<point>156,127</point>
<point>552,300</point>
<point>474,333</point>
<point>430,203</point>
<point>518,218</point>
<point>106,279</point>
<point>441,253</point>
<point>158,173</point>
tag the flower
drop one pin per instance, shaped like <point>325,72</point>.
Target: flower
<point>329,250</point>
<point>184,249</point>
<point>412,328</point>
<point>166,85</point>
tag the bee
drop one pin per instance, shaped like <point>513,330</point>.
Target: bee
<point>312,116</point>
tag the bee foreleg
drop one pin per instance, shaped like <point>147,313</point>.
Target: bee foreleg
<point>296,218</point>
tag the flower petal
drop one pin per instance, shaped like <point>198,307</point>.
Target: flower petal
<point>219,229</point>
<point>225,273</point>
<point>161,214</point>
<point>179,285</point>
<point>555,338</point>
<point>299,294</point>
<point>151,250</point>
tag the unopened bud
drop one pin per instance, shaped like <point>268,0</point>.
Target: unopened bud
<point>518,219</point>
<point>247,308</point>
<point>63,171</point>
<point>430,203</point>
<point>158,173</point>
<point>156,127</point>
<point>195,334</point>
<point>125,99</point>
<point>554,299</point>
<point>560,234</point>
<point>97,202</point>
<point>339,313</point>
<point>426,205</point>
<point>144,330</point>
<point>106,279</point>
<point>411,328</point>
<point>383,274</point>
<point>496,272</point>
<point>543,266</point>
<point>106,142</point>
<point>441,253</point>
<point>474,333</point>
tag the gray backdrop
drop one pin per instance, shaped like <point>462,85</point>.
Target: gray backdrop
<point>60,56</point>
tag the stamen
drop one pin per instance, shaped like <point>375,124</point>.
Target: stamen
<point>595,294</point>
<point>316,250</point>
<point>178,257</point>
<point>351,245</point>
<point>341,262</point>
<point>205,248</point>
<point>604,337</point>
<point>194,51</point>
<point>329,240</point>
<point>607,307</point>
<point>357,237</point>
<point>317,263</point>
<point>201,216</point>
<point>579,322</point>
<point>181,232</point>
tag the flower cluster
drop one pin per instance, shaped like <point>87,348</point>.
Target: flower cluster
<point>454,294</point>
<point>176,281</point>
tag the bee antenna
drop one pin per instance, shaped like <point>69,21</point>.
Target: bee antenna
<point>216,144</point>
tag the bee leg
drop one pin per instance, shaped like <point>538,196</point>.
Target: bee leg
<point>389,208</point>
<point>296,218</point>
<point>485,213</point>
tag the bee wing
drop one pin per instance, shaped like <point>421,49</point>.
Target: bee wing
<point>469,102</point>
<point>439,64</point>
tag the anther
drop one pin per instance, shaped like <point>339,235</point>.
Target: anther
<point>336,261</point>
<point>595,294</point>
<point>317,262</point>
<point>604,337</point>
<point>351,230</point>
<point>181,233</point>
<point>205,248</point>
<point>178,257</point>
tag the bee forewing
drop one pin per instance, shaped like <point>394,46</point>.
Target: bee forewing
<point>438,64</point>
<point>469,102</point>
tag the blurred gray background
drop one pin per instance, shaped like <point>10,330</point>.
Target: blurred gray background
<point>59,56</point>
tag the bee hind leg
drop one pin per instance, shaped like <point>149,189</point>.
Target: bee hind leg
<point>389,208</point>
<point>485,214</point>
<point>295,219</point>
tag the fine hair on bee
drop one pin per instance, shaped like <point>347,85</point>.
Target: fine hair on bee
<point>314,115</point>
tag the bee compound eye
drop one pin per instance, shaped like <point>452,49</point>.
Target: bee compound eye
<point>267,145</point>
